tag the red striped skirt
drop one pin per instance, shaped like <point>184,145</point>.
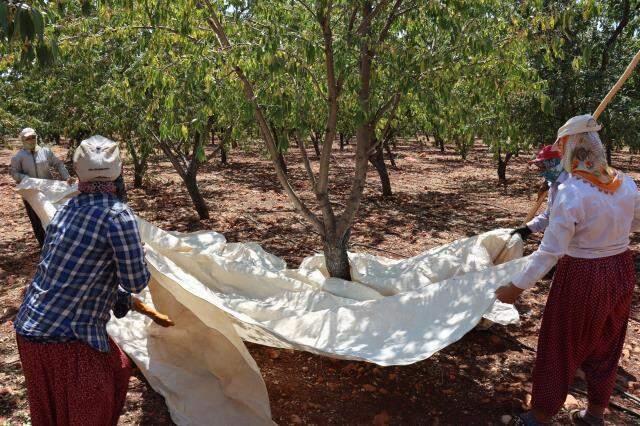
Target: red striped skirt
<point>74,384</point>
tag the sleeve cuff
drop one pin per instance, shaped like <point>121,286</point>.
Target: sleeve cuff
<point>533,226</point>
<point>521,282</point>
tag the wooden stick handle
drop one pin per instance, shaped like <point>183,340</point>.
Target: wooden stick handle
<point>616,87</point>
<point>161,319</point>
<point>534,209</point>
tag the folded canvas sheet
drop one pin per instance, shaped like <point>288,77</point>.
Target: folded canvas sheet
<point>394,312</point>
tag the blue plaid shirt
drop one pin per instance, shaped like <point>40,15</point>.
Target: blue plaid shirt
<point>91,253</point>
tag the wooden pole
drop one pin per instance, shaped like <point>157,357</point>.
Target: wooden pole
<point>603,104</point>
<point>616,87</point>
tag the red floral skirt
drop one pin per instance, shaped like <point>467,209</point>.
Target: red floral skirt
<point>74,384</point>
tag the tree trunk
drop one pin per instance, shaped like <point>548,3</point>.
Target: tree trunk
<point>282,163</point>
<point>392,156</point>
<point>439,143</point>
<point>194,192</point>
<point>502,166</point>
<point>336,258</point>
<point>342,141</point>
<point>316,145</point>
<point>377,159</point>
<point>608,147</point>
<point>223,155</point>
<point>139,170</point>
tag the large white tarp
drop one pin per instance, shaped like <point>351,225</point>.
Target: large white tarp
<point>394,312</point>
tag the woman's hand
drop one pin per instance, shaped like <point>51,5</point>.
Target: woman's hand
<point>508,293</point>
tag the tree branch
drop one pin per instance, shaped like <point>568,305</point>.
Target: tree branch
<point>387,25</point>
<point>614,36</point>
<point>367,19</point>
<point>263,125</point>
<point>305,159</point>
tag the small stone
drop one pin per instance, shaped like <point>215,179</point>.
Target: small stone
<point>369,388</point>
<point>349,368</point>
<point>381,419</point>
<point>393,376</point>
<point>505,419</point>
<point>295,419</point>
<point>273,354</point>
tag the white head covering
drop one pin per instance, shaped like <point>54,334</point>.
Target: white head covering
<point>579,124</point>
<point>97,159</point>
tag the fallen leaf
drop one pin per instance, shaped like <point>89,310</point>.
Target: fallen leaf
<point>369,388</point>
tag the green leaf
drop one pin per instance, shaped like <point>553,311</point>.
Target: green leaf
<point>38,22</point>
<point>27,27</point>
<point>185,131</point>
<point>545,104</point>
<point>200,155</point>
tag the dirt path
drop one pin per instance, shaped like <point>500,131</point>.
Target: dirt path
<point>438,198</point>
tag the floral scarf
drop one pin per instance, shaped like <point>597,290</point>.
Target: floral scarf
<point>551,170</point>
<point>583,156</point>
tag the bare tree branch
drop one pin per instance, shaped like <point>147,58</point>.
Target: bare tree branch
<point>305,159</point>
<point>263,125</point>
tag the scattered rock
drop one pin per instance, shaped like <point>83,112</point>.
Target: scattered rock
<point>332,386</point>
<point>273,354</point>
<point>369,388</point>
<point>295,419</point>
<point>393,376</point>
<point>381,419</point>
<point>349,368</point>
<point>505,419</point>
<point>526,402</point>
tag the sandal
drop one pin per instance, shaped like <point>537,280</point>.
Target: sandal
<point>577,419</point>
<point>516,421</point>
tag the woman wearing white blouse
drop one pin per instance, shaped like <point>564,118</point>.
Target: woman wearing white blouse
<point>585,318</point>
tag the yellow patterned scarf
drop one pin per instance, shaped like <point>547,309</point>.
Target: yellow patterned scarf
<point>583,156</point>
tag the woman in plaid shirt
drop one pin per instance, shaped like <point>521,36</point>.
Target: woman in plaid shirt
<point>92,254</point>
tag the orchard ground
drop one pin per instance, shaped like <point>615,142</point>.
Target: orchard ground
<point>438,199</point>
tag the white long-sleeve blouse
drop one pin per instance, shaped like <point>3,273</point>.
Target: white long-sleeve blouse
<point>585,223</point>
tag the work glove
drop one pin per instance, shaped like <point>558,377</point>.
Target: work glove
<point>524,232</point>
